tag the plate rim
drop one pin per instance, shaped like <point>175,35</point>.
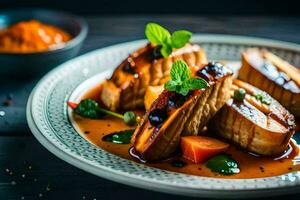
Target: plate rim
<point>167,188</point>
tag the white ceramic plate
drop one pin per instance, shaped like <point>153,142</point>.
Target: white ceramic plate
<point>47,116</point>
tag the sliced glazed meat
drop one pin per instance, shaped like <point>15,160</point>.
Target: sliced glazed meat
<point>141,69</point>
<point>258,127</point>
<point>172,114</point>
<point>270,73</point>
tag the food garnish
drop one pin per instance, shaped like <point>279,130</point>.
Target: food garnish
<point>223,164</point>
<point>199,148</point>
<point>262,97</point>
<point>90,108</point>
<point>181,81</point>
<point>166,42</point>
<point>239,94</point>
<point>121,137</point>
<point>130,118</point>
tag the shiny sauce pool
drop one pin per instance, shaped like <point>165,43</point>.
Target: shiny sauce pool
<point>251,166</point>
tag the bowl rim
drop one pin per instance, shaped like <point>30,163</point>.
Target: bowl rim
<point>68,45</point>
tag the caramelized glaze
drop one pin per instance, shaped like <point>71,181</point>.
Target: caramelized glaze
<point>272,72</point>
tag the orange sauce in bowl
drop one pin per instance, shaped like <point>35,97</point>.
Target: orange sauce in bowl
<point>251,166</point>
<point>31,36</point>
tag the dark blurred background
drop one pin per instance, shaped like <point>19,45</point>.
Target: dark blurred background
<point>207,7</point>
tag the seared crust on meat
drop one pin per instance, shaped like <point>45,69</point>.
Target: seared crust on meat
<point>158,141</point>
<point>270,73</point>
<point>140,70</point>
<point>255,126</point>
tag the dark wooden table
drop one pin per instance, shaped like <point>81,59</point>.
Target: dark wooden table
<point>29,171</point>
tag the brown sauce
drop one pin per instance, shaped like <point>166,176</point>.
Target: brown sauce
<point>251,166</point>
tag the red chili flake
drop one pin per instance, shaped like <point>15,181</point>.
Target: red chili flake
<point>72,105</point>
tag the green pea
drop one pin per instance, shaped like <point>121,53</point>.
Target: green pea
<point>130,118</point>
<point>239,94</point>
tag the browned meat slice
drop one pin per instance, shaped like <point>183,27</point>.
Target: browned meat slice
<point>258,127</point>
<point>142,69</point>
<point>275,76</point>
<point>172,114</point>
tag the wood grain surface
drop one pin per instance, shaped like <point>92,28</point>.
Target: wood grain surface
<point>28,171</point>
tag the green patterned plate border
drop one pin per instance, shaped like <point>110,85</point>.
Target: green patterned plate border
<point>47,116</point>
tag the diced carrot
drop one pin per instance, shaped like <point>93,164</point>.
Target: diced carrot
<point>199,148</point>
<point>72,105</point>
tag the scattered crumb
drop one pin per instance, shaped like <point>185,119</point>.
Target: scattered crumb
<point>262,169</point>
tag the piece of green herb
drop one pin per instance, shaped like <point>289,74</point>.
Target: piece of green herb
<point>89,108</point>
<point>223,164</point>
<point>130,118</point>
<point>160,36</point>
<point>181,81</point>
<point>121,137</point>
<point>263,98</point>
<point>180,38</point>
<point>239,94</point>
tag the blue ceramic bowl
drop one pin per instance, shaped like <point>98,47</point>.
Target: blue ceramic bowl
<point>32,64</point>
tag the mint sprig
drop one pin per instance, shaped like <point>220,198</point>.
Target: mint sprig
<point>181,81</point>
<point>160,36</point>
<point>89,108</point>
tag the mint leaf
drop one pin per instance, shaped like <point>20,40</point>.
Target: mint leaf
<point>180,38</point>
<point>166,50</point>
<point>171,85</point>
<point>90,109</point>
<point>183,90</point>
<point>180,71</point>
<point>156,34</point>
<point>196,83</point>
<point>181,81</point>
